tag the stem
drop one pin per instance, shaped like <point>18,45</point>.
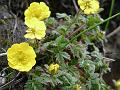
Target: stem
<point>114,32</point>
<point>74,32</point>
<point>110,14</point>
<point>75,37</point>
<point>94,26</point>
<point>3,54</point>
<point>75,6</point>
<point>7,84</point>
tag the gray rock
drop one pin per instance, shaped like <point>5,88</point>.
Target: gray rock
<point>12,29</point>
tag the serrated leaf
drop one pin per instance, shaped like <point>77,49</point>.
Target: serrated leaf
<point>62,55</point>
<point>65,55</point>
<point>76,50</point>
<point>61,15</point>
<point>33,85</point>
<point>59,57</point>
<point>61,42</point>
<point>73,62</point>
<point>50,21</point>
<point>62,30</point>
<point>93,20</point>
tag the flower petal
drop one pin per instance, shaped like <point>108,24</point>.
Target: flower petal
<point>21,57</point>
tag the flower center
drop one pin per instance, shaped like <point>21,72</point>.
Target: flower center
<point>20,55</point>
<point>33,30</point>
<point>88,5</point>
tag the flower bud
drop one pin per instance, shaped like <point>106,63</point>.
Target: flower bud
<point>53,68</point>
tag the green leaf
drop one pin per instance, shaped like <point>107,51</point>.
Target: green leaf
<point>73,62</point>
<point>62,30</point>
<point>93,20</point>
<point>61,42</point>
<point>78,51</point>
<point>50,21</point>
<point>88,66</point>
<point>59,57</point>
<point>33,85</point>
<point>65,55</point>
<point>67,88</point>
<point>62,15</point>
<point>62,55</point>
<point>47,44</point>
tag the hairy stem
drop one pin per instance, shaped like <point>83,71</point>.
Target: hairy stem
<point>90,28</point>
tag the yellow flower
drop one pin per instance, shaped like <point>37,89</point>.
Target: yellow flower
<point>118,84</point>
<point>89,6</point>
<point>53,68</point>
<point>21,57</point>
<point>37,10</point>
<point>36,29</point>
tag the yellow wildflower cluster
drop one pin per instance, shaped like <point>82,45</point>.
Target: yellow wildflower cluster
<point>53,68</point>
<point>21,57</point>
<point>34,16</point>
<point>89,6</point>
